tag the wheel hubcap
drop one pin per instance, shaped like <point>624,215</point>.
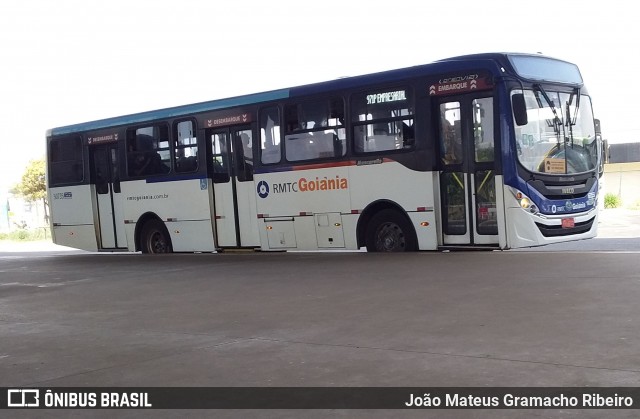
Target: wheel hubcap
<point>390,238</point>
<point>157,243</point>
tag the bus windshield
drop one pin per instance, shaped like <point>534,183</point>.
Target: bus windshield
<point>559,137</point>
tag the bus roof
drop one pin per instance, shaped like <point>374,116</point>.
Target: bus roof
<point>492,61</point>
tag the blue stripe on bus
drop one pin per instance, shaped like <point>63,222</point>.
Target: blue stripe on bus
<point>398,75</point>
<point>173,112</point>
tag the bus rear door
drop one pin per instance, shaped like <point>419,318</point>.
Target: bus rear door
<point>467,163</point>
<point>106,181</point>
<point>231,171</point>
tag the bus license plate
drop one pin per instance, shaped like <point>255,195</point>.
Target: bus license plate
<point>568,223</point>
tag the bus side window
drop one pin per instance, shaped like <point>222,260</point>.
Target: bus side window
<point>65,160</point>
<point>314,130</point>
<point>148,151</point>
<point>383,121</point>
<point>185,147</point>
<point>270,135</point>
<point>135,155</point>
<point>147,160</point>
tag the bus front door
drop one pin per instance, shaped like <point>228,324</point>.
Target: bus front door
<point>467,154</point>
<point>105,178</point>
<point>231,171</point>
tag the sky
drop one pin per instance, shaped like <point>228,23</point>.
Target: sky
<point>69,61</point>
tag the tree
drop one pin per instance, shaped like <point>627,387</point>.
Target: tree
<point>33,185</point>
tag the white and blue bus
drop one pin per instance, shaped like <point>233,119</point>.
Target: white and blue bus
<point>489,150</point>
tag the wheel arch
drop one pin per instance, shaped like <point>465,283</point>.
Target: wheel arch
<point>371,210</point>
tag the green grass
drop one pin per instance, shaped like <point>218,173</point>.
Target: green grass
<point>24,235</point>
<point>612,201</point>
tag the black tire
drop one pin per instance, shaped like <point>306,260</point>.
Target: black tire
<point>390,231</point>
<point>155,238</point>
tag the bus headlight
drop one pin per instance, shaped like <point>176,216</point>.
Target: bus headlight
<point>525,202</point>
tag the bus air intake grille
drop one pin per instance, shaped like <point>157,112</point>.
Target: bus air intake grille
<point>556,231</point>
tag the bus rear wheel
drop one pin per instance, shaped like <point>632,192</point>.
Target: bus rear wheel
<point>155,238</point>
<point>390,231</point>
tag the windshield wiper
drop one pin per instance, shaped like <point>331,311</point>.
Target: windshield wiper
<point>557,123</point>
<point>573,120</point>
<point>570,122</point>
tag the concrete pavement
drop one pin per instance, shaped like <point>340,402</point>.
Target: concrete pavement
<point>619,223</point>
<point>478,319</point>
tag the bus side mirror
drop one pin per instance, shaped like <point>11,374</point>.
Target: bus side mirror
<point>519,109</point>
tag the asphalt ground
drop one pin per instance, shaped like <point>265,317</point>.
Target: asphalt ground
<point>473,319</point>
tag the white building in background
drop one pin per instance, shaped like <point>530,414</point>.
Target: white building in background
<point>17,213</point>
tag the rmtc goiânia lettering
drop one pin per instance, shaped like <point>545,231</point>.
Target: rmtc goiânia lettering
<point>311,185</point>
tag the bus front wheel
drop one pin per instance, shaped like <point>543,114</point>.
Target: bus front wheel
<point>155,238</point>
<point>390,231</point>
